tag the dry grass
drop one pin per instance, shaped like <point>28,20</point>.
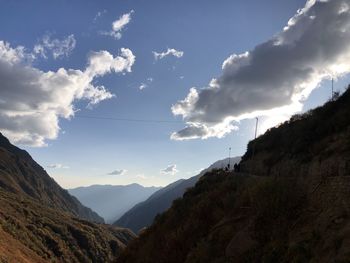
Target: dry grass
<point>54,236</point>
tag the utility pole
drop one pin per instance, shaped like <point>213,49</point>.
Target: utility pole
<point>256,132</point>
<point>332,89</point>
<point>229,158</point>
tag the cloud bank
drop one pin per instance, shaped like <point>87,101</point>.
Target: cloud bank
<point>32,101</point>
<point>118,25</point>
<point>276,76</point>
<point>169,52</point>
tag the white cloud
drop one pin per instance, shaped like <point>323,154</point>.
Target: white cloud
<point>14,55</point>
<point>143,86</point>
<point>58,48</point>
<point>32,101</point>
<point>169,52</point>
<point>171,169</point>
<point>118,172</point>
<point>103,62</point>
<point>118,25</point>
<point>276,76</point>
<point>57,166</point>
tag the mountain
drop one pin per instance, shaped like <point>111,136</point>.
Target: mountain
<point>20,174</point>
<point>103,198</point>
<point>290,202</point>
<point>41,222</point>
<point>33,232</point>
<point>143,214</point>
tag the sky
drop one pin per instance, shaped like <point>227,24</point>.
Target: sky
<point>149,92</point>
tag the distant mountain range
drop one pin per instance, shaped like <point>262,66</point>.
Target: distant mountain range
<point>143,214</point>
<point>112,201</point>
<point>41,222</point>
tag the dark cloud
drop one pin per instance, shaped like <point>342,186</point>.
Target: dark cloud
<point>280,72</point>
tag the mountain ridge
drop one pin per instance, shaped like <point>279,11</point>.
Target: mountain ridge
<point>143,214</point>
<point>42,222</point>
<point>20,174</point>
<point>289,203</point>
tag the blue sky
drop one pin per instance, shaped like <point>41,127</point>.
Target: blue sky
<point>96,151</point>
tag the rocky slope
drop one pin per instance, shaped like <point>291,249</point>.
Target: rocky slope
<point>143,214</point>
<point>32,232</point>
<point>289,203</point>
<point>41,222</point>
<point>20,174</point>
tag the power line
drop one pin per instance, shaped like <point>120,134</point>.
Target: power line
<point>119,119</point>
<point>126,119</point>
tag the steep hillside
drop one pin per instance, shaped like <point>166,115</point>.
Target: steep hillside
<point>32,232</point>
<point>21,175</point>
<point>103,198</point>
<point>289,203</point>
<point>41,222</point>
<point>143,214</point>
<point>312,145</point>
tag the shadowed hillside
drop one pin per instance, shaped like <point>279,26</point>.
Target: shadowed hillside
<point>30,231</point>
<point>289,203</point>
<point>20,174</point>
<point>41,222</point>
<point>143,214</point>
